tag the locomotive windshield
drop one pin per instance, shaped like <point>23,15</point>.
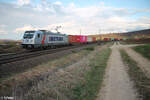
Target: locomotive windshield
<point>28,34</point>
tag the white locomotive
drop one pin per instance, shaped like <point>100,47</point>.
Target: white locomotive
<point>43,39</point>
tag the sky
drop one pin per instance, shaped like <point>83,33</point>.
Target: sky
<point>88,16</point>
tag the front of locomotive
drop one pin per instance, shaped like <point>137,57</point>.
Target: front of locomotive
<point>28,39</point>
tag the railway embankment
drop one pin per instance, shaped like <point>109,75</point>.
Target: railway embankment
<point>29,60</point>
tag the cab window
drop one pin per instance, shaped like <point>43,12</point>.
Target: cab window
<point>38,35</point>
<point>28,34</point>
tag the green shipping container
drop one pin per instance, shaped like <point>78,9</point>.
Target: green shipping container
<point>112,39</point>
<point>124,38</point>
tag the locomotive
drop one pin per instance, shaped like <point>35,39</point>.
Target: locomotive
<point>46,39</point>
<point>43,39</point>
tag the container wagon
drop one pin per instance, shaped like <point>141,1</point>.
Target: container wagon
<point>89,39</point>
<point>74,39</point>
<point>83,39</point>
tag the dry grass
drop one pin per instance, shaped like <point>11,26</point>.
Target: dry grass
<point>59,85</point>
<point>54,80</point>
<point>144,50</point>
<point>23,81</point>
<point>88,89</point>
<point>10,47</point>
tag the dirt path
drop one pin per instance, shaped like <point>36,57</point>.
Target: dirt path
<point>116,85</point>
<point>143,63</point>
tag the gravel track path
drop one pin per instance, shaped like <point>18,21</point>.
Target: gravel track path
<point>142,62</point>
<point>116,84</point>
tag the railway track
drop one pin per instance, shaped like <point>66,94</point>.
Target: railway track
<point>5,55</point>
<point>25,55</point>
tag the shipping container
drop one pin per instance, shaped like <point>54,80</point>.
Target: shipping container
<point>124,38</point>
<point>93,39</point>
<point>77,38</point>
<point>97,38</point>
<point>106,39</point>
<point>74,39</point>
<point>112,39</point>
<point>83,39</point>
<point>102,38</point>
<point>137,39</point>
<point>89,39</point>
<point>116,39</point>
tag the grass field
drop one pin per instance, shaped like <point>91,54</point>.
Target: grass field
<point>139,41</point>
<point>79,81</point>
<point>136,74</point>
<point>40,71</point>
<point>10,47</point>
<point>144,50</point>
<point>88,90</point>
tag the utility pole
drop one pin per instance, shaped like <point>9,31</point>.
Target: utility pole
<point>100,34</point>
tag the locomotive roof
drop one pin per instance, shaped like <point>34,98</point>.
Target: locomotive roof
<point>29,31</point>
<point>49,32</point>
<point>43,30</point>
<point>46,32</point>
<point>52,33</point>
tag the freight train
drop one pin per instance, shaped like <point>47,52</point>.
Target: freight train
<point>45,39</point>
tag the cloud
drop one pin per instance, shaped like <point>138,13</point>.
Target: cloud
<point>101,3</point>
<point>57,3</point>
<point>23,2</point>
<point>67,27</point>
<point>2,29</point>
<point>90,19</point>
<point>24,28</point>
